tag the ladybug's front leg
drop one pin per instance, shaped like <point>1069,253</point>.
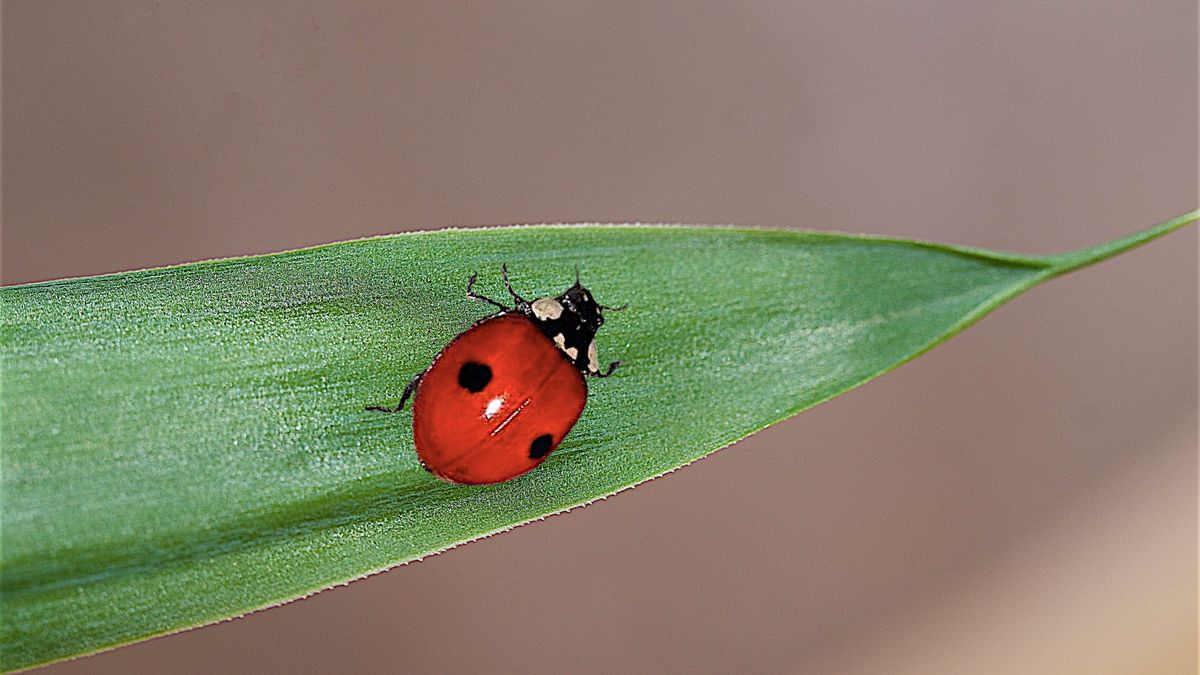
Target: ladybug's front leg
<point>521,302</point>
<point>408,391</point>
<point>482,298</point>
<point>522,305</point>
<point>611,367</point>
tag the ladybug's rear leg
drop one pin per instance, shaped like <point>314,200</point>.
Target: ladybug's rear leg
<point>408,391</point>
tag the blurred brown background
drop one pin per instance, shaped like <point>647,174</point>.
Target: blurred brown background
<point>1021,500</point>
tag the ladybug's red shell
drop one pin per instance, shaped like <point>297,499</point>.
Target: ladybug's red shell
<point>495,402</point>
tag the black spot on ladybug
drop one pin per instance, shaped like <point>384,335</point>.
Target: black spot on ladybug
<point>474,376</point>
<point>540,446</point>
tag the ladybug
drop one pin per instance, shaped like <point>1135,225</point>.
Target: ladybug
<point>502,395</point>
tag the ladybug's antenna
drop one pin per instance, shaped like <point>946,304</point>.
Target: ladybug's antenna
<point>613,309</point>
<point>576,274</point>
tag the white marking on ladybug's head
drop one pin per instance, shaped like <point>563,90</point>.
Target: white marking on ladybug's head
<point>547,309</point>
<point>561,342</point>
<point>593,358</point>
<point>493,407</point>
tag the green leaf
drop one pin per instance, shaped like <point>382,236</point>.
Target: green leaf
<point>187,444</point>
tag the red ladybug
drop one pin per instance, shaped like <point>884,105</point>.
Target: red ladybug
<point>502,395</point>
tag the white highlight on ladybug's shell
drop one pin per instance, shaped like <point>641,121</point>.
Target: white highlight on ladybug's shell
<point>493,407</point>
<point>511,416</point>
<point>547,309</point>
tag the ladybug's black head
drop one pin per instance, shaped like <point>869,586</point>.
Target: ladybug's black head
<point>579,300</point>
<point>570,321</point>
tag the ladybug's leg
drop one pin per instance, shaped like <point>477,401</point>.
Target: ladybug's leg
<point>408,391</point>
<point>516,298</point>
<point>611,367</point>
<point>475,296</point>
